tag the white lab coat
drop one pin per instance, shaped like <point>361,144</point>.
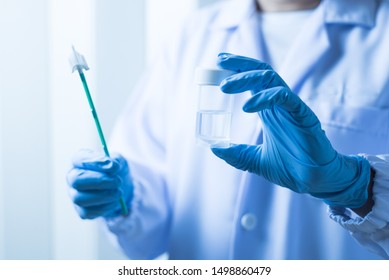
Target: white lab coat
<point>192,205</point>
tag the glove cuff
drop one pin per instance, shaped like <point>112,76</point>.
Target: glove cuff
<point>356,194</point>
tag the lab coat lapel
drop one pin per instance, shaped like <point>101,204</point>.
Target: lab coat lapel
<point>245,39</point>
<point>308,48</point>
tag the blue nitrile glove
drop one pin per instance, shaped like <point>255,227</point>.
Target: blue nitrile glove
<point>295,152</point>
<point>97,182</point>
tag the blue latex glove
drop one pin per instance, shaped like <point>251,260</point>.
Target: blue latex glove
<point>295,152</point>
<point>97,182</point>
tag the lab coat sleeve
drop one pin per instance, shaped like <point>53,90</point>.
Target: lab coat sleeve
<point>372,232</point>
<point>143,234</point>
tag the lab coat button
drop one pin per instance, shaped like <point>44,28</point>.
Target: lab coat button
<point>248,221</point>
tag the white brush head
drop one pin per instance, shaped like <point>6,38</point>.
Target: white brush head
<point>77,61</point>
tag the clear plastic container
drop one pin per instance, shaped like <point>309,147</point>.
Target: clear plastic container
<point>214,113</point>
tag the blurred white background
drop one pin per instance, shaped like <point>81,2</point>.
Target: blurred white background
<point>44,115</point>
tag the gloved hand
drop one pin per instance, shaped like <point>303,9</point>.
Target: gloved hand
<point>97,182</point>
<point>295,152</point>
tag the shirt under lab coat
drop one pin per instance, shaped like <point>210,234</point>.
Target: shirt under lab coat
<point>192,205</point>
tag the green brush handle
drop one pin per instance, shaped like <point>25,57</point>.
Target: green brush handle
<point>100,131</point>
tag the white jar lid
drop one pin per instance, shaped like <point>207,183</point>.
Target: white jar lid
<point>211,76</point>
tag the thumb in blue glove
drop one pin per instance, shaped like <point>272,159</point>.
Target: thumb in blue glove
<point>97,182</point>
<point>295,152</point>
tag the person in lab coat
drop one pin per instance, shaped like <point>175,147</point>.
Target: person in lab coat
<point>309,175</point>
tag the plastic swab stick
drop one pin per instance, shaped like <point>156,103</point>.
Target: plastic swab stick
<point>78,63</point>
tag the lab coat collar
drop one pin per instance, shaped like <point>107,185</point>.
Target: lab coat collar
<point>359,12</point>
<point>355,12</point>
<point>337,12</point>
